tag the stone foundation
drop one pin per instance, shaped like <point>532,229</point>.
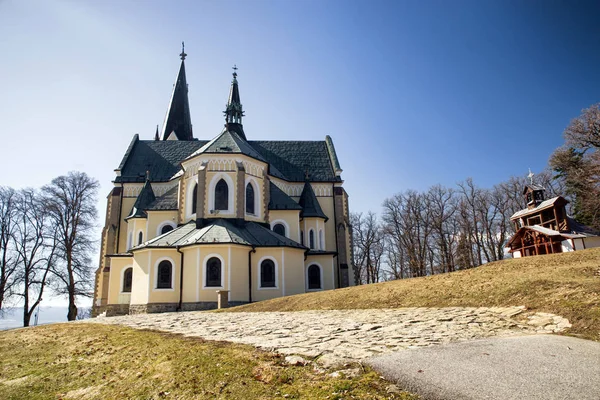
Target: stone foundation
<point>97,310</point>
<point>116,309</point>
<point>152,308</point>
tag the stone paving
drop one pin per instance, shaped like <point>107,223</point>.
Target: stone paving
<point>339,336</point>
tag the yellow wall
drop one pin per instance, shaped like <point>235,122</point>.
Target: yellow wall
<point>117,266</point>
<point>164,295</point>
<point>126,207</point>
<point>326,204</point>
<point>234,258</point>
<point>327,263</point>
<point>294,271</point>
<point>134,227</point>
<point>291,217</point>
<point>156,218</point>
<point>209,203</point>
<point>140,285</point>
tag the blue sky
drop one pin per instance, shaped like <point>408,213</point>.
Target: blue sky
<point>413,93</point>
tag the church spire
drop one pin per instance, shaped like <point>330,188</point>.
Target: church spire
<point>178,119</point>
<point>233,111</point>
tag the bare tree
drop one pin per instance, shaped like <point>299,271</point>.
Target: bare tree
<point>583,133</point>
<point>368,246</point>
<point>71,203</point>
<point>35,246</point>
<point>407,222</point>
<point>442,208</point>
<point>8,257</point>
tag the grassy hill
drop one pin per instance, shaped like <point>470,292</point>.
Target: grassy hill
<point>566,284</point>
<point>93,361</point>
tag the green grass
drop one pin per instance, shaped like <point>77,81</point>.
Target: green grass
<point>566,284</point>
<point>93,361</point>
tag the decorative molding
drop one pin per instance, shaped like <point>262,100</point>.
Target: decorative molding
<point>226,165</point>
<point>295,189</point>
<point>133,190</point>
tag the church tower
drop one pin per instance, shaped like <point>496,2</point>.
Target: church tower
<point>233,110</point>
<point>178,122</point>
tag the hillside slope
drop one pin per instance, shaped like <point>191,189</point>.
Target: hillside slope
<point>565,284</point>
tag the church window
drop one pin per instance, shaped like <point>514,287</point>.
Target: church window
<point>314,277</point>
<point>249,199</point>
<point>279,229</point>
<point>140,238</point>
<point>127,280</point>
<point>194,198</point>
<point>165,275</point>
<point>221,195</point>
<point>165,229</point>
<point>213,272</point>
<point>267,274</point>
<point>321,240</point>
<point>311,239</point>
<point>302,238</point>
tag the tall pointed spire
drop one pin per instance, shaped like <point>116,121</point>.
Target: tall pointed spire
<point>233,111</point>
<point>178,119</point>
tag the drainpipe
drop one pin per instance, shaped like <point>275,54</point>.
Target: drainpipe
<point>180,280</point>
<point>250,273</point>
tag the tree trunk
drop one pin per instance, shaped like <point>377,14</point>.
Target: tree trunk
<point>72,314</point>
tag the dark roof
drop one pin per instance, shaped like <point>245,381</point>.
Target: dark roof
<point>533,187</point>
<point>167,201</point>
<point>161,158</point>
<point>279,200</point>
<point>178,118</point>
<point>221,231</point>
<point>309,203</point>
<point>145,198</point>
<point>578,227</point>
<point>288,160</point>
<point>228,142</point>
<point>294,158</point>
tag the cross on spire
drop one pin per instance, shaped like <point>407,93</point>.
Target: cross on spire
<point>183,55</point>
<point>530,176</point>
<point>234,68</point>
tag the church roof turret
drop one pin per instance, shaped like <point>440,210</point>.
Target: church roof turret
<point>233,110</point>
<point>178,119</point>
<point>144,199</point>
<point>309,203</point>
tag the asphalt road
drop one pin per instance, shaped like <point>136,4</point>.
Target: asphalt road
<point>544,367</point>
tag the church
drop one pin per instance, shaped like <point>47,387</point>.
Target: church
<point>192,222</point>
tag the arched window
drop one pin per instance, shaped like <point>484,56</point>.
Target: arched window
<point>221,195</point>
<point>213,272</point>
<point>165,275</point>
<point>321,241</point>
<point>302,238</point>
<point>127,279</point>
<point>279,229</point>
<point>165,229</point>
<point>140,238</point>
<point>311,239</point>
<point>194,198</point>
<point>267,274</point>
<point>314,277</point>
<point>249,199</point>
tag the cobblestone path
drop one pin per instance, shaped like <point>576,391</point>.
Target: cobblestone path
<point>339,336</point>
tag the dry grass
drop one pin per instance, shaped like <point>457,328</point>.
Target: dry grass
<point>565,284</point>
<point>93,361</point>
